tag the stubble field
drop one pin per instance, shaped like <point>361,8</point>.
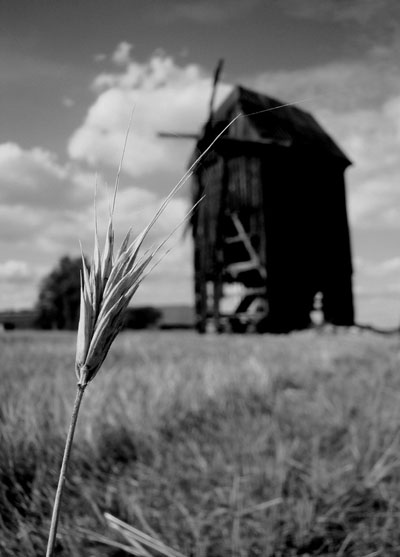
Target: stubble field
<point>217,445</point>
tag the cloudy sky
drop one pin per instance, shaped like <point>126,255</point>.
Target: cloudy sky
<point>71,73</point>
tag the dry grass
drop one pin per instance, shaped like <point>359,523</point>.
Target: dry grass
<point>272,446</point>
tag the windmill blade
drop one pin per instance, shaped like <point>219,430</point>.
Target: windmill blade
<point>178,135</point>
<point>189,135</point>
<point>217,74</point>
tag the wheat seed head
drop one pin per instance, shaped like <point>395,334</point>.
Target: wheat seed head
<point>107,286</point>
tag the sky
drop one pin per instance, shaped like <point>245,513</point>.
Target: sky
<point>71,73</point>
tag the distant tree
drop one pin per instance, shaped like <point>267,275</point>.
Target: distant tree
<point>59,296</point>
<point>145,317</point>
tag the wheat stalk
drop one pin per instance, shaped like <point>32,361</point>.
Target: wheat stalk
<point>107,286</point>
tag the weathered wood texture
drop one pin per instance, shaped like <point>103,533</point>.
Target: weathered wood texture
<point>283,177</point>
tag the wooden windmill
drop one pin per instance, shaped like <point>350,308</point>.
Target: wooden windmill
<point>273,223</point>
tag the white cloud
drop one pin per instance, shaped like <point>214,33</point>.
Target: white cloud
<point>374,201</point>
<point>22,167</point>
<point>15,271</point>
<point>40,199</point>
<point>165,97</point>
<point>47,207</point>
<point>377,290</point>
<point>33,241</point>
<point>18,225</point>
<point>135,208</point>
<point>12,297</point>
<point>121,55</point>
<point>19,282</point>
<point>171,281</point>
<point>35,178</point>
<point>387,268</point>
<point>378,310</point>
<point>372,140</point>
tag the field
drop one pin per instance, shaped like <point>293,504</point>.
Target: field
<point>217,445</point>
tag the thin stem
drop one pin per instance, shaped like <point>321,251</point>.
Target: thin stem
<point>63,471</point>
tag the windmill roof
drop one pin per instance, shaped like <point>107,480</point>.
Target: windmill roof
<point>282,125</point>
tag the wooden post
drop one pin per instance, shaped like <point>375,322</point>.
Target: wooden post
<point>216,301</point>
<point>201,302</point>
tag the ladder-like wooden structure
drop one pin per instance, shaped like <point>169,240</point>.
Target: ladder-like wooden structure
<point>240,263</point>
<point>253,262</point>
